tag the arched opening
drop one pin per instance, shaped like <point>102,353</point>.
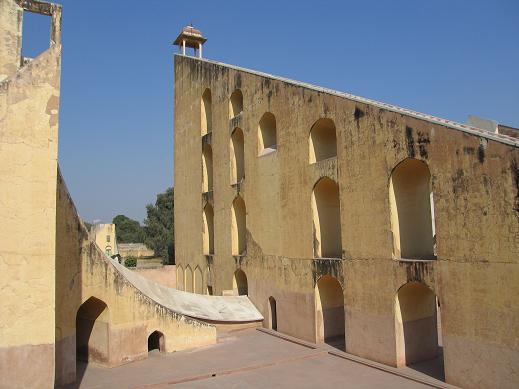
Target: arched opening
<point>238,227</point>
<point>206,112</point>
<point>156,341</point>
<point>237,156</point>
<point>239,283</point>
<point>207,168</point>
<point>273,317</point>
<point>189,279</point>
<point>180,278</point>
<point>208,234</point>
<point>267,134</point>
<point>322,140</point>
<point>108,251</point>
<point>326,219</point>
<point>92,331</point>
<point>412,221</point>
<point>235,104</point>
<point>329,303</point>
<point>199,287</point>
<point>417,329</point>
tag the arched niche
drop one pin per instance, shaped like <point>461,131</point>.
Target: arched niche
<point>322,140</point>
<point>412,210</point>
<point>237,156</point>
<point>326,219</point>
<point>238,226</point>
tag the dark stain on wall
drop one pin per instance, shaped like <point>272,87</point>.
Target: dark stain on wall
<point>459,184</point>
<point>237,80</point>
<point>410,141</point>
<point>481,153</point>
<point>423,141</point>
<point>468,150</point>
<point>327,267</point>
<point>358,114</point>
<point>418,271</point>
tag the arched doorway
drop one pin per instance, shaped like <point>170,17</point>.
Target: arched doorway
<point>329,302</point>
<point>156,341</point>
<point>273,317</point>
<point>92,331</point>
<point>412,210</point>
<point>239,283</point>
<point>416,324</point>
<point>326,219</point>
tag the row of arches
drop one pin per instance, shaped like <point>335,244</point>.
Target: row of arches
<point>417,322</point>
<point>411,214</point>
<point>417,318</point>
<point>193,281</point>
<point>238,228</point>
<point>322,138</point>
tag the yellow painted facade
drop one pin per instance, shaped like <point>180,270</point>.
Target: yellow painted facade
<point>104,236</point>
<point>372,195</point>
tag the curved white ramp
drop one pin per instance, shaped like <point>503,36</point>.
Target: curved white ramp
<point>205,307</point>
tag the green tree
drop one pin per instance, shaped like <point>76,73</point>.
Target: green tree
<point>159,227</point>
<point>128,230</point>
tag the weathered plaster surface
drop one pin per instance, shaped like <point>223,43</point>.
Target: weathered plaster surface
<point>474,178</point>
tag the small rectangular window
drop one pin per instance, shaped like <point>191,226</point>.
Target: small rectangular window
<point>108,238</point>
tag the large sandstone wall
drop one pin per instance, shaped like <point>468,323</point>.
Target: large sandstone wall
<point>29,106</point>
<point>475,184</point>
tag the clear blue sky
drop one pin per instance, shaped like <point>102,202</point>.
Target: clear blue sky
<point>448,58</point>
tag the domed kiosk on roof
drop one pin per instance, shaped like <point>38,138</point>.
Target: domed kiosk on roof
<point>190,37</point>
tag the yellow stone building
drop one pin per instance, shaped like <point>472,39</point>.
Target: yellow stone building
<point>105,238</point>
<point>350,221</point>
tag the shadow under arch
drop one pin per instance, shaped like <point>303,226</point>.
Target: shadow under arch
<point>156,341</point>
<point>92,331</point>
<point>326,217</point>
<point>239,283</point>
<point>322,140</point>
<point>418,329</point>
<point>412,210</point>
<point>330,315</point>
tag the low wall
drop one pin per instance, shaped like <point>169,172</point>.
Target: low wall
<point>164,275</point>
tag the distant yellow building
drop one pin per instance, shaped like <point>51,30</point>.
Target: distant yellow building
<point>104,236</point>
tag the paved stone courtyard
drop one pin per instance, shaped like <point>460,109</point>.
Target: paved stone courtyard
<point>250,359</point>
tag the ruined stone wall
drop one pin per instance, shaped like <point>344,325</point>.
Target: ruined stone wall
<point>474,180</point>
<point>29,105</point>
